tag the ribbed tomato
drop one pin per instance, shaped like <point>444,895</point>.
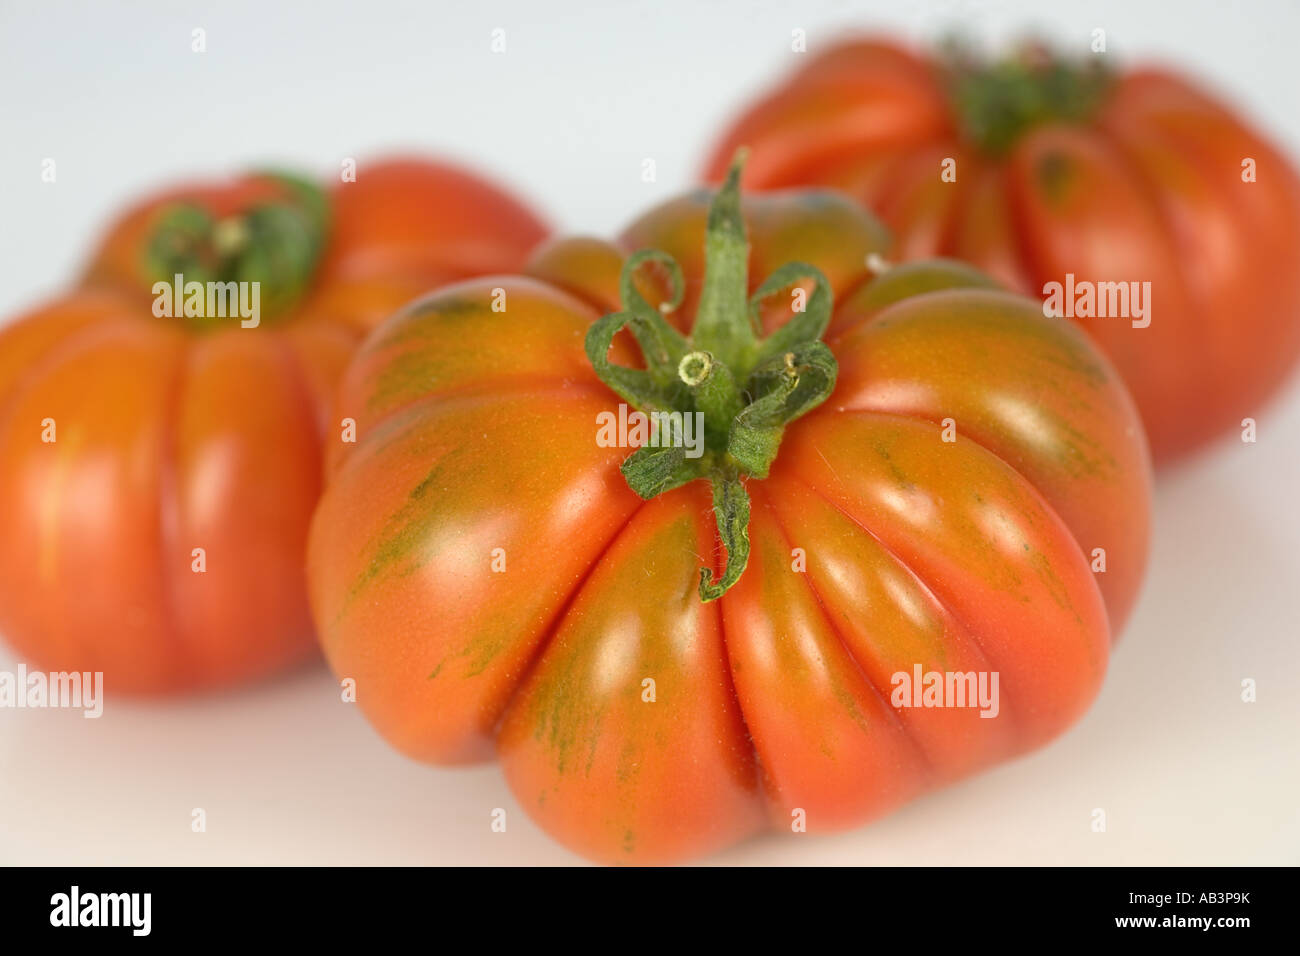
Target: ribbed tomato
<point>1041,172</point>
<point>949,481</point>
<point>157,474</point>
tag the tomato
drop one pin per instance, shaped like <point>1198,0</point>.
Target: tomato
<point>907,470</point>
<point>157,475</point>
<point>1067,174</point>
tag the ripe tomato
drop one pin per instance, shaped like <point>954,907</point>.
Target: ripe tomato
<point>157,475</point>
<point>931,486</point>
<point>1071,175</point>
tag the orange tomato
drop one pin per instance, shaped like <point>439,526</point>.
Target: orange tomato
<point>157,474</point>
<point>1069,175</point>
<point>927,474</point>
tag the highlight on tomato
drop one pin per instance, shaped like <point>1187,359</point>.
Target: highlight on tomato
<point>1132,201</point>
<point>162,424</point>
<point>849,495</point>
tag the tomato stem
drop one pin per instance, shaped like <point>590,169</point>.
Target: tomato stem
<point>274,244</point>
<point>743,388</point>
<point>998,102</point>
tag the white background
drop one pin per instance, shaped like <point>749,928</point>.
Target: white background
<point>1185,771</point>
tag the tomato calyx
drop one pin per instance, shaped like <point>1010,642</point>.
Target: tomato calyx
<point>998,102</point>
<point>275,244</point>
<point>742,388</point>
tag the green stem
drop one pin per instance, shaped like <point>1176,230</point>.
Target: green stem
<point>274,244</point>
<point>715,394</point>
<point>746,389</point>
<point>998,102</point>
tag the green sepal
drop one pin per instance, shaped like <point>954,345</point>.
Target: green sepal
<point>635,386</point>
<point>731,512</point>
<point>806,326</point>
<point>652,471</point>
<point>661,344</point>
<point>277,244</point>
<point>180,244</point>
<point>785,389</point>
<point>997,103</point>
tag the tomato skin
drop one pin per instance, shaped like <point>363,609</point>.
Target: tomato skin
<point>412,217</point>
<point>1149,189</point>
<point>637,724</point>
<point>170,439</point>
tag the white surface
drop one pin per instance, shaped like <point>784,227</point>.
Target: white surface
<point>1186,772</point>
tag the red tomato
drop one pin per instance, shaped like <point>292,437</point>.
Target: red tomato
<point>931,486</point>
<point>158,474</point>
<point>1067,171</point>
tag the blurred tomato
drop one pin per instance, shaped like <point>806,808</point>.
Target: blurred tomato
<point>1074,175</point>
<point>158,472</point>
<point>929,488</point>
